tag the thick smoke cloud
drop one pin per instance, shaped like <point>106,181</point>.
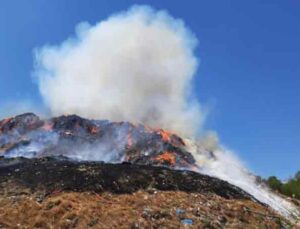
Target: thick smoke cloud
<point>138,66</point>
<point>135,66</point>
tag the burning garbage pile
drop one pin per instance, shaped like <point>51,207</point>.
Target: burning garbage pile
<point>150,82</point>
<point>77,138</point>
<point>72,154</point>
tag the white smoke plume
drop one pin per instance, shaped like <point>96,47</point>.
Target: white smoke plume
<point>138,66</point>
<point>226,166</point>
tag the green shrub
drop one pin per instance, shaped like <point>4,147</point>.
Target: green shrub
<point>274,183</point>
<point>290,188</point>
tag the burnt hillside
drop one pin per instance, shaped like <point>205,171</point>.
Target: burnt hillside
<point>61,174</point>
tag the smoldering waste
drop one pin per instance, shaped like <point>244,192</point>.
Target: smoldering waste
<point>45,163</point>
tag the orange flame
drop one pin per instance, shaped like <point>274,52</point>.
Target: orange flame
<point>129,140</point>
<point>3,122</point>
<point>47,126</point>
<point>94,130</point>
<point>168,157</point>
<point>166,136</point>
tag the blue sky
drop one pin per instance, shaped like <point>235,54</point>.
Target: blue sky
<point>249,73</point>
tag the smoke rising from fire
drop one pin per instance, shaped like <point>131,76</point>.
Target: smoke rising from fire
<point>138,66</point>
<point>135,66</point>
<point>226,166</point>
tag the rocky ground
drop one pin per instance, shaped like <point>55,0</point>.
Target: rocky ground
<point>59,193</point>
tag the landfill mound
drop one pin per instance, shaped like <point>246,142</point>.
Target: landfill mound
<point>61,193</point>
<point>52,174</point>
<point>71,172</point>
<point>72,136</point>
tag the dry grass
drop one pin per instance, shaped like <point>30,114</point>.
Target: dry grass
<point>152,209</point>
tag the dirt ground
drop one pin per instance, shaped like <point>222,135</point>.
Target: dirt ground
<point>142,209</point>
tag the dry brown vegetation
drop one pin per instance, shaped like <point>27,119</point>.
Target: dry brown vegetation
<point>142,209</point>
<point>53,193</point>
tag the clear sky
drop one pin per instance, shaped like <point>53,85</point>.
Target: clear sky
<point>249,73</point>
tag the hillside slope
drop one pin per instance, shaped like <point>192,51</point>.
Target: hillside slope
<point>59,193</point>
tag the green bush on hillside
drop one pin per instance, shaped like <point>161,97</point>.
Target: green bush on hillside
<point>290,188</point>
